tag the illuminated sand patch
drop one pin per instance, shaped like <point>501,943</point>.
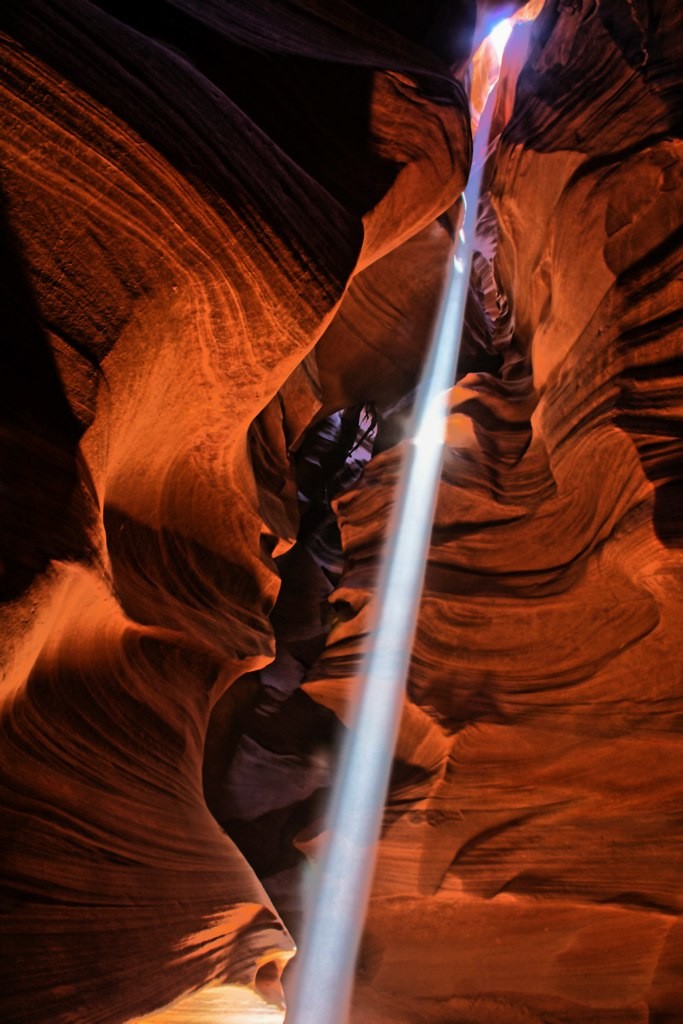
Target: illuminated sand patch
<point>218,1004</point>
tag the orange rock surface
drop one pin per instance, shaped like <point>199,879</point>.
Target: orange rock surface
<point>225,230</point>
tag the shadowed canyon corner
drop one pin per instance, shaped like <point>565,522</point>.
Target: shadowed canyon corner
<point>226,231</point>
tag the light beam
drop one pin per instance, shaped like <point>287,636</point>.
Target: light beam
<point>324,969</point>
<point>500,35</point>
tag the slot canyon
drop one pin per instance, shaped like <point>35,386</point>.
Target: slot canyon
<point>226,227</point>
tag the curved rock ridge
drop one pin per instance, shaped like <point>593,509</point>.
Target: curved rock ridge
<point>530,864</point>
<point>225,228</point>
<point>187,192</point>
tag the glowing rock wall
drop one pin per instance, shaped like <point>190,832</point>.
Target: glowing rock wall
<point>530,867</point>
<point>178,232</point>
<point>188,191</point>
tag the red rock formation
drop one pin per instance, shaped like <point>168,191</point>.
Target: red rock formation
<point>530,867</point>
<point>179,231</point>
<point>195,197</point>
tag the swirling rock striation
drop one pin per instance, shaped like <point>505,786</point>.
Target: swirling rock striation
<point>226,227</point>
<point>530,864</point>
<point>187,191</point>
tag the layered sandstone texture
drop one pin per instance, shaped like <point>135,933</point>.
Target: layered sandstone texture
<point>531,865</point>
<point>225,230</point>
<point>187,192</point>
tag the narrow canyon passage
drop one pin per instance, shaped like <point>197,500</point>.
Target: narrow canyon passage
<point>226,230</point>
